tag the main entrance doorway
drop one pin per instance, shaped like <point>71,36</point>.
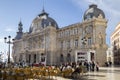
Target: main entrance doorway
<point>92,56</point>
<point>84,56</point>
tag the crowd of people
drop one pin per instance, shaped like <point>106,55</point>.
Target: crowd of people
<point>108,63</point>
<point>90,66</point>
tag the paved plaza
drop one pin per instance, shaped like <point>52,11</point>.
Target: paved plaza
<point>105,73</point>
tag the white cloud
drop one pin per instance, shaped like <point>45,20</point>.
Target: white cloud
<point>1,40</point>
<point>9,30</point>
<point>92,1</point>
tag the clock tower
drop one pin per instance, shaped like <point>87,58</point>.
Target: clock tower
<point>95,25</point>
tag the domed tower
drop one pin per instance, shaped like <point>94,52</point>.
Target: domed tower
<point>42,21</point>
<point>94,25</point>
<point>44,31</point>
<point>92,12</point>
<point>17,41</point>
<point>19,33</point>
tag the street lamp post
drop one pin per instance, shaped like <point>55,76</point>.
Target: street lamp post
<point>8,42</point>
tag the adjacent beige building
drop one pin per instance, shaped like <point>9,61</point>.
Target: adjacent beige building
<point>115,42</point>
<point>47,43</point>
<point>110,56</point>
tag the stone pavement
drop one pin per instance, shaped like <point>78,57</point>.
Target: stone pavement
<point>105,73</point>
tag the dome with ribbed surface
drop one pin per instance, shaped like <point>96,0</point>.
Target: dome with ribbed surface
<point>42,21</point>
<point>93,11</point>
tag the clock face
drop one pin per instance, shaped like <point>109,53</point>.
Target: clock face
<point>89,29</point>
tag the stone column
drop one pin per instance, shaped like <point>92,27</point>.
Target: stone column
<point>24,57</point>
<point>37,58</point>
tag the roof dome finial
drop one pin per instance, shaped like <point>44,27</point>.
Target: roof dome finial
<point>43,11</point>
<point>43,7</point>
<point>20,26</point>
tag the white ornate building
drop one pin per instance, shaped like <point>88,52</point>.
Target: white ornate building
<point>47,43</point>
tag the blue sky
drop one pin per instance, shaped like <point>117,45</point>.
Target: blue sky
<point>65,12</point>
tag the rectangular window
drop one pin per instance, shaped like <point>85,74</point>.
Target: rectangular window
<point>77,30</point>
<point>62,45</point>
<point>76,43</point>
<point>60,34</point>
<point>69,32</point>
<point>74,31</point>
<point>89,41</point>
<point>63,34</point>
<point>68,44</point>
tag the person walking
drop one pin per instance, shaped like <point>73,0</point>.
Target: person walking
<point>93,65</point>
<point>97,66</point>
